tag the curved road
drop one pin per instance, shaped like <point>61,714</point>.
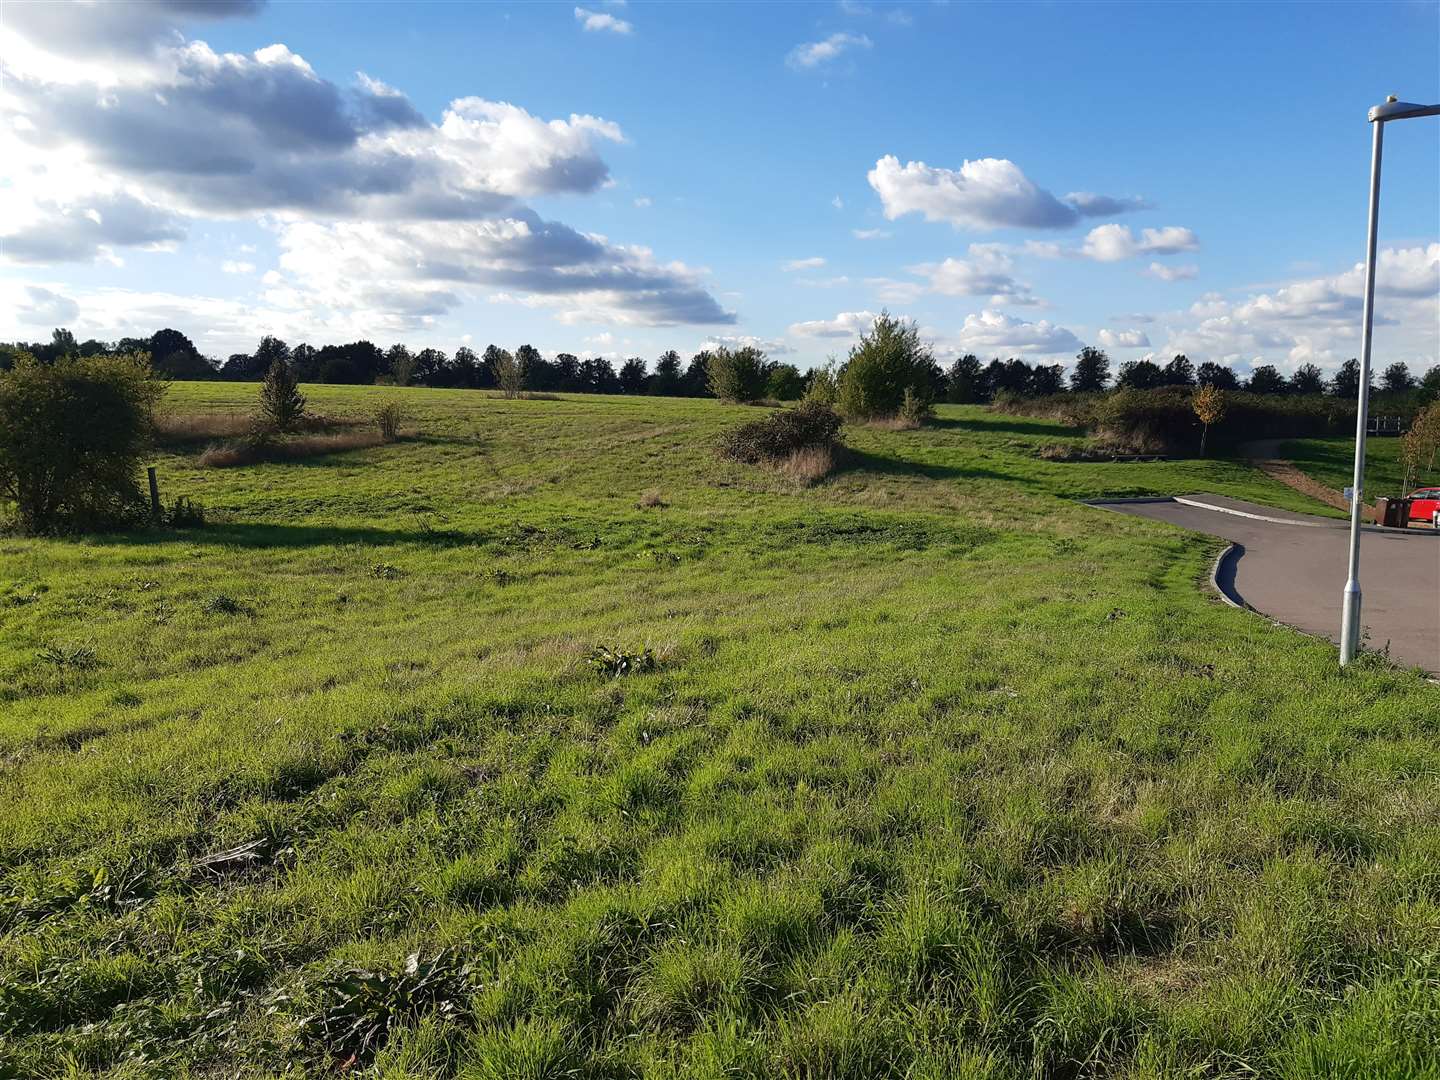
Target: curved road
<point>1292,568</point>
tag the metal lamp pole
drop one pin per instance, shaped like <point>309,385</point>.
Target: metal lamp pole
<point>1380,115</point>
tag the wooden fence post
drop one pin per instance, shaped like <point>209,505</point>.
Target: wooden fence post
<point>154,493</point>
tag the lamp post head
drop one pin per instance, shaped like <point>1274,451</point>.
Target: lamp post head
<point>1401,110</point>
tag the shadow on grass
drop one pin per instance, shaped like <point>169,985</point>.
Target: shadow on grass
<point>263,535</point>
<point>862,461</point>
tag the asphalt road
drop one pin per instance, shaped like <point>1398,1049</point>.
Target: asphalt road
<point>1293,570</point>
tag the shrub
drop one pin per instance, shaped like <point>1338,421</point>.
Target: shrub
<point>915,409</point>
<point>357,1010</point>
<point>612,663</point>
<point>888,360</point>
<point>782,433</point>
<point>282,406</point>
<point>509,373</point>
<point>184,513</point>
<point>387,418</point>
<point>737,374</point>
<point>824,385</point>
<point>72,437</point>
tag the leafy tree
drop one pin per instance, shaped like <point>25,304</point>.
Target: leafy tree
<point>532,367</point>
<point>237,367</point>
<point>355,363</point>
<point>1209,405</point>
<point>1180,371</point>
<point>1397,379</point>
<point>1430,385</point>
<point>281,403</point>
<point>63,343</point>
<point>633,376</point>
<point>1047,379</point>
<point>305,359</point>
<point>1140,375</point>
<point>400,362</point>
<point>567,372</point>
<point>72,439</point>
<point>823,386</point>
<point>1092,371</point>
<point>668,374</point>
<point>737,374</point>
<point>175,355</point>
<point>1013,377</point>
<point>465,368</point>
<point>1266,379</point>
<point>597,376</point>
<point>785,383</point>
<point>1217,375</point>
<point>995,378</point>
<point>965,381</point>
<point>432,367</point>
<point>1346,381</point>
<point>888,359</point>
<point>1307,379</point>
<point>508,374</point>
<point>697,375</point>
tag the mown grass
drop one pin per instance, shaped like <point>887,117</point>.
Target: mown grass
<point>932,771</point>
<point>1332,462</point>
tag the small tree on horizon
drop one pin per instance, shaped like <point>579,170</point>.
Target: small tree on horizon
<point>1092,371</point>
<point>509,375</point>
<point>1397,379</point>
<point>281,403</point>
<point>737,374</point>
<point>889,359</point>
<point>1209,404</point>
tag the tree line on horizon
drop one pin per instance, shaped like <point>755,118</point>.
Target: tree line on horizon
<point>966,381</point>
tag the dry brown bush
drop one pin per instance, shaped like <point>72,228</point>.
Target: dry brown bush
<point>178,429</point>
<point>250,451</point>
<point>651,498</point>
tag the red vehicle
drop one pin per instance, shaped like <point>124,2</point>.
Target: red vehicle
<point>1425,505</point>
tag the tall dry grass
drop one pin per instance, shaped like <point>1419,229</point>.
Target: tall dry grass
<point>809,465</point>
<point>251,451</point>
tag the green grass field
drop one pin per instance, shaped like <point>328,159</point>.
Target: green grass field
<point>938,773</point>
<point>1332,462</point>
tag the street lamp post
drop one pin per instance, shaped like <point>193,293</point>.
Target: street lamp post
<point>1380,115</point>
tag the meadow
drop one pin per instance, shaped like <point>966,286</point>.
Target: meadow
<point>544,743</point>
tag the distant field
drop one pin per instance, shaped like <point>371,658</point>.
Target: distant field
<point>1332,462</point>
<point>939,773</point>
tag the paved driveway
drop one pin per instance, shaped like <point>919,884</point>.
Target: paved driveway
<point>1292,568</point>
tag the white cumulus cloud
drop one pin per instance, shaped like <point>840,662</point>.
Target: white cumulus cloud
<point>592,21</point>
<point>813,54</point>
<point>995,332</point>
<point>987,193</point>
<point>844,325</point>
<point>1112,243</point>
<point>1161,272</point>
<point>1124,339</point>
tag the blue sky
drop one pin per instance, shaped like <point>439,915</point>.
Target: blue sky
<point>671,174</point>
